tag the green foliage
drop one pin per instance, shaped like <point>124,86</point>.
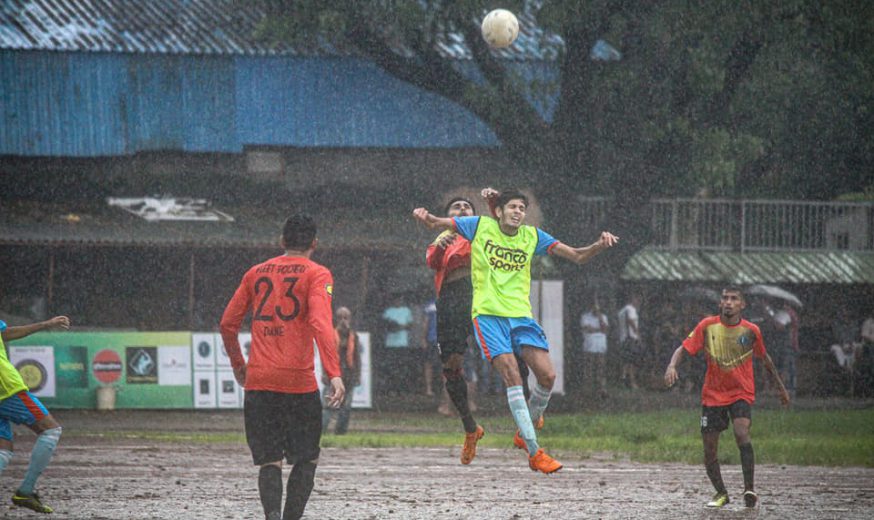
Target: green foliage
<point>729,98</point>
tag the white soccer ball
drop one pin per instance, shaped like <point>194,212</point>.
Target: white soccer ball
<point>500,28</point>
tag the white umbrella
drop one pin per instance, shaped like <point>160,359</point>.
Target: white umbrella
<point>775,292</point>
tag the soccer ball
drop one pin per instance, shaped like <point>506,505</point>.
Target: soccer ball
<point>500,28</point>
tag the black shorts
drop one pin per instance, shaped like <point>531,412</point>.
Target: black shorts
<point>283,426</point>
<point>454,324</point>
<point>715,418</point>
<point>631,351</point>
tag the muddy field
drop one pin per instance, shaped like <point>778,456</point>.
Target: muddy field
<point>114,477</point>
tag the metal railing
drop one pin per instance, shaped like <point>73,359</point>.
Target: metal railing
<point>754,225</point>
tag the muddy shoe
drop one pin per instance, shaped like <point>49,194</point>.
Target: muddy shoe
<point>30,501</point>
<point>519,442</point>
<point>750,498</point>
<point>468,452</point>
<point>538,424</point>
<point>543,462</point>
<point>719,500</point>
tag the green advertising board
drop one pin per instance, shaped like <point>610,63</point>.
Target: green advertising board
<point>147,369</point>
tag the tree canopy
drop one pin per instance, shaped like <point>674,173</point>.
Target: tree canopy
<point>722,99</point>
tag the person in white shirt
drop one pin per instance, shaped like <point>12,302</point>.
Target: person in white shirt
<point>868,330</point>
<point>594,324</point>
<point>631,348</point>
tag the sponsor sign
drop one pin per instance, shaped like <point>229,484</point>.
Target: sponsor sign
<point>203,351</point>
<point>106,366</point>
<point>174,365</point>
<point>205,395</point>
<point>229,392</point>
<point>142,365</point>
<point>37,368</point>
<point>72,364</point>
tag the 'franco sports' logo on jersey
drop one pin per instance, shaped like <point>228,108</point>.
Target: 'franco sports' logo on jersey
<point>504,258</point>
<point>329,288</point>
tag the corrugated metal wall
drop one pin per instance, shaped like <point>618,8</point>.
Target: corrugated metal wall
<point>97,104</point>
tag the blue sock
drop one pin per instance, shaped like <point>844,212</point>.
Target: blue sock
<point>5,457</point>
<point>538,402</point>
<point>39,458</point>
<point>519,409</point>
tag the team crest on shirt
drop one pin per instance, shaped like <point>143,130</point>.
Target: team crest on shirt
<point>329,288</point>
<point>745,340</point>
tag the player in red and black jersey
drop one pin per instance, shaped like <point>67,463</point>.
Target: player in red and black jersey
<point>290,300</point>
<point>730,343</point>
<point>449,257</point>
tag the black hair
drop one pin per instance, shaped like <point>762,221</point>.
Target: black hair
<point>299,232</point>
<point>453,200</point>
<point>509,195</point>
<point>734,288</point>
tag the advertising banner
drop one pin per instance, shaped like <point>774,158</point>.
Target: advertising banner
<point>72,367</point>
<point>36,365</point>
<point>229,392</point>
<point>203,351</point>
<point>142,365</point>
<point>174,365</point>
<point>205,395</point>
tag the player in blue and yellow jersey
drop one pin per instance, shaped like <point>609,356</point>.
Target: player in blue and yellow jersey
<point>502,249</point>
<point>729,343</point>
<point>19,406</point>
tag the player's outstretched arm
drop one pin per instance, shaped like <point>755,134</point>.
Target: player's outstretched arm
<point>671,372</point>
<point>433,222</point>
<point>58,322</point>
<point>775,375</point>
<point>581,255</point>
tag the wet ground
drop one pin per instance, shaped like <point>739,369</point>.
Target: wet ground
<point>115,477</point>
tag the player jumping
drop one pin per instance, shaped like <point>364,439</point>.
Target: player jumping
<point>502,250</point>
<point>449,256</point>
<point>729,342</point>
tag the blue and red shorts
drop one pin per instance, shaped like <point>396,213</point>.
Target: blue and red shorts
<point>20,408</point>
<point>497,335</point>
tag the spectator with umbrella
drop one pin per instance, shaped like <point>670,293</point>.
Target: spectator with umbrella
<point>784,320</point>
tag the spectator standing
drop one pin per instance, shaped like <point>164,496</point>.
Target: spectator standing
<point>397,319</point>
<point>630,346</point>
<point>595,326</point>
<point>786,344</point>
<point>429,348</point>
<point>349,353</point>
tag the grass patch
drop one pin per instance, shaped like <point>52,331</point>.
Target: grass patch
<point>807,437</point>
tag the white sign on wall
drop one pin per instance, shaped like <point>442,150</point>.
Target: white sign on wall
<point>203,351</point>
<point>174,365</point>
<point>229,391</point>
<point>547,305</point>
<point>205,395</point>
<point>37,368</point>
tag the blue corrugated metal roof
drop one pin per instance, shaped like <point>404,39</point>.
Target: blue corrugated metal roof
<point>219,27</point>
<point>97,104</point>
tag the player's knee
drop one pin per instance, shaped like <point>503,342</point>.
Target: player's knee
<point>277,463</point>
<point>742,437</point>
<point>547,380</point>
<point>52,435</point>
